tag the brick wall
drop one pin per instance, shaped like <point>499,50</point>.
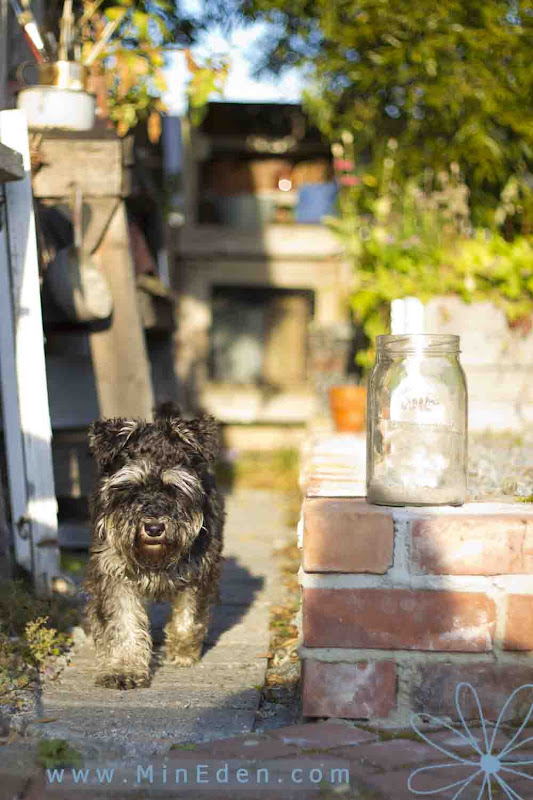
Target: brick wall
<point>401,605</point>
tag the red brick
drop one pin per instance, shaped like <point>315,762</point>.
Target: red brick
<point>392,754</point>
<point>346,535</point>
<point>323,735</point>
<point>366,689</point>
<point>398,619</point>
<point>473,545</point>
<point>394,785</point>
<point>519,623</point>
<point>433,689</point>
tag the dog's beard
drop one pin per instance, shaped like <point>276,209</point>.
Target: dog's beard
<point>125,533</point>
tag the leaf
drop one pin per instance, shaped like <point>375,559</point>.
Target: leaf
<point>141,20</point>
<point>114,13</point>
<point>154,127</point>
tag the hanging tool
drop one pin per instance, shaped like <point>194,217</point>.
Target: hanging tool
<point>27,22</point>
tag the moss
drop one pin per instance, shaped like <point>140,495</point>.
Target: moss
<point>390,734</point>
<point>184,746</point>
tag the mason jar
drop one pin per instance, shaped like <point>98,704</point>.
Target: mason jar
<point>417,422</point>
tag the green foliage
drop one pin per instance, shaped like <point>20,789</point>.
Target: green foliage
<point>450,81</point>
<point>133,60</point>
<point>32,634</point>
<point>42,641</point>
<point>53,753</point>
<point>207,78</point>
<point>417,240</point>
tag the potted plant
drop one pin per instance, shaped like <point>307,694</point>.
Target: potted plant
<point>114,52</point>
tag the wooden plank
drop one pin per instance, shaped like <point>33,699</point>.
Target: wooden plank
<point>276,241</point>
<point>11,166</point>
<point>34,414</point>
<point>95,165</point>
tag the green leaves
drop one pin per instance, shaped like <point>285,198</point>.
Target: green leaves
<point>452,81</point>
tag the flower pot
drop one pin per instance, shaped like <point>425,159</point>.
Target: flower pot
<point>348,408</point>
<point>52,107</point>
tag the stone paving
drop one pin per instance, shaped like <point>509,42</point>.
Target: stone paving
<point>325,760</point>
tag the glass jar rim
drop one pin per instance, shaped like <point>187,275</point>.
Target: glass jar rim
<point>426,343</point>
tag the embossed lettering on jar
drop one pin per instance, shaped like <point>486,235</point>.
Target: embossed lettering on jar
<point>417,422</point>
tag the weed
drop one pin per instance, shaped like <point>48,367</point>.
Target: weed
<point>57,753</point>
<point>33,632</point>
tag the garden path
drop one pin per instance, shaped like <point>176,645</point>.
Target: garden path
<point>214,699</point>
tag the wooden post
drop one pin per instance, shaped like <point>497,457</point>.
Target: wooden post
<point>4,4</point>
<point>97,162</point>
<point>190,173</point>
<point>5,559</point>
<point>120,361</point>
<point>33,411</point>
<point>16,467</point>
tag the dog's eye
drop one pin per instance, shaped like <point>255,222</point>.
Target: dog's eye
<point>169,488</point>
<point>121,486</point>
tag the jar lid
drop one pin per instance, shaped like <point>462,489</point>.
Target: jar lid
<point>422,343</point>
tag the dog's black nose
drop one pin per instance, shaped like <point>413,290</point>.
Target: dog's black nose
<point>154,528</point>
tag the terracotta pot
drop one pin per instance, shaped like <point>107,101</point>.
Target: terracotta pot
<point>348,407</point>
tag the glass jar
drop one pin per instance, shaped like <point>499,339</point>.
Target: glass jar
<point>417,422</point>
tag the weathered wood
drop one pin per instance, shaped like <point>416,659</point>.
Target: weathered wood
<point>33,410</point>
<point>11,166</point>
<point>94,164</point>
<point>278,241</point>
<point>120,362</point>
<point>10,411</point>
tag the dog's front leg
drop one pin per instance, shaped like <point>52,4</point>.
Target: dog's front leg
<point>187,627</point>
<point>121,634</point>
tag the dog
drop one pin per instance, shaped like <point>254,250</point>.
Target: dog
<point>157,534</point>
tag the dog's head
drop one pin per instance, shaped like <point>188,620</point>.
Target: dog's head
<point>151,492</point>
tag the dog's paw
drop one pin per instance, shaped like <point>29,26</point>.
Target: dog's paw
<point>182,659</point>
<point>123,680</point>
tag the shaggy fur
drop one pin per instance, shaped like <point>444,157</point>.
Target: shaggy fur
<point>156,535</point>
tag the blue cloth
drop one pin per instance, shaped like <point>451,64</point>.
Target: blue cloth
<point>315,201</point>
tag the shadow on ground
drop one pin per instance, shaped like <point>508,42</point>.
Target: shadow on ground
<point>238,591</point>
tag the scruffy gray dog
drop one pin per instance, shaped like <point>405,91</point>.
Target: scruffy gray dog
<point>157,535</point>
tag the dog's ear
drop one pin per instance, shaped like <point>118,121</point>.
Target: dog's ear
<point>107,437</point>
<point>167,409</point>
<point>206,432</point>
<point>200,436</point>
